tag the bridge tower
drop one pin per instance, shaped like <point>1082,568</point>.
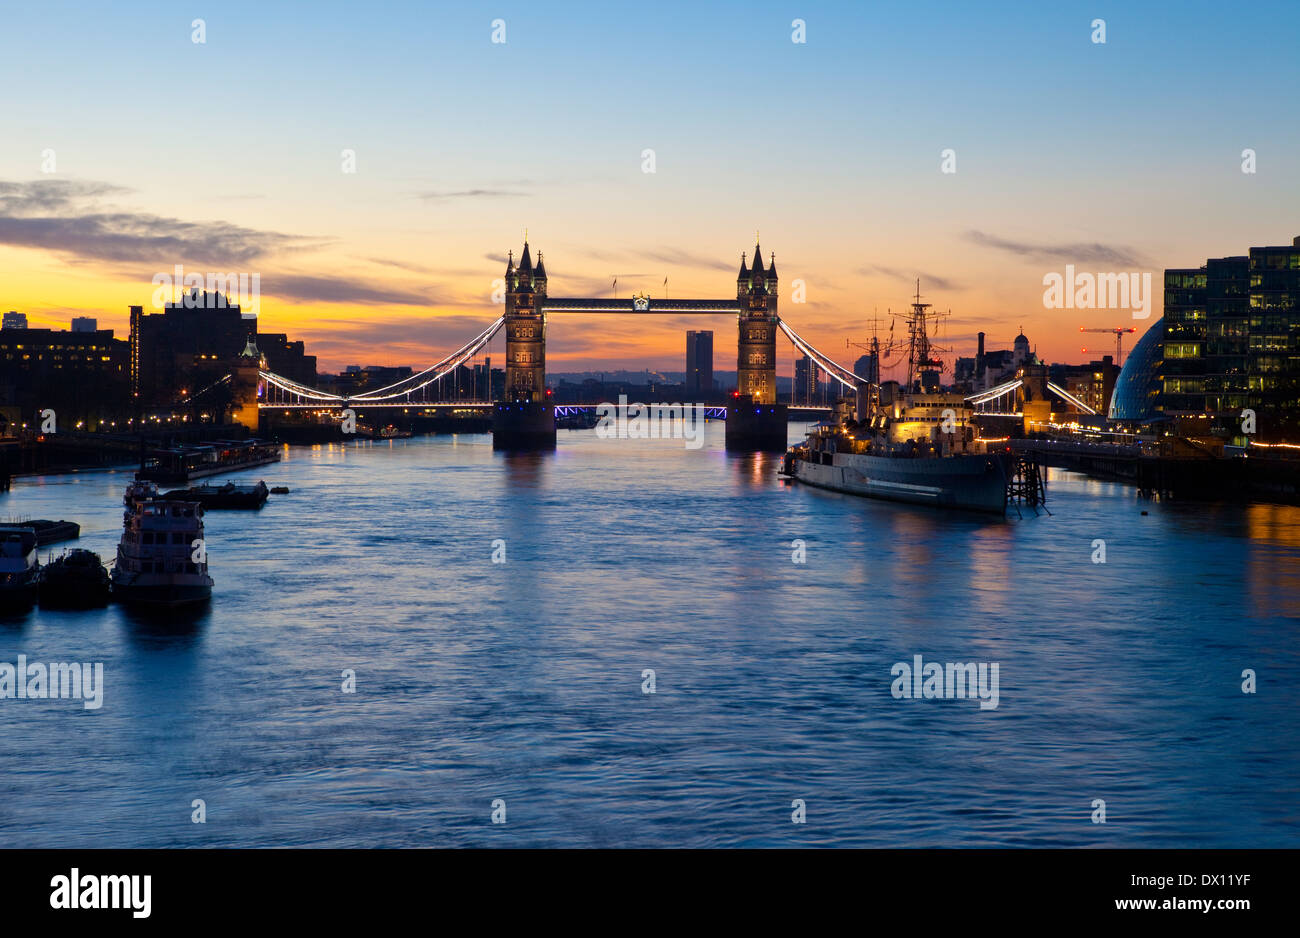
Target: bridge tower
<point>755,421</point>
<point>245,377</point>
<point>524,419</point>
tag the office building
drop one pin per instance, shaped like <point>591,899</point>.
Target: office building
<point>1232,342</point>
<point>699,364</point>
<point>82,376</point>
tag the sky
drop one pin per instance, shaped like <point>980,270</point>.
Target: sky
<point>128,148</point>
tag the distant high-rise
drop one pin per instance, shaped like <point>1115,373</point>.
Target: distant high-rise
<point>867,367</point>
<point>84,324</point>
<point>807,376</point>
<point>699,363</point>
<point>14,320</point>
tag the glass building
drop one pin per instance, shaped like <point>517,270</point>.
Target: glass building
<point>1232,341</point>
<point>1139,389</point>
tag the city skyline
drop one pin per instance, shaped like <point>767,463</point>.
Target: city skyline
<point>831,148</point>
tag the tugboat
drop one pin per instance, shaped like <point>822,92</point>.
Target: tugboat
<point>19,566</point>
<point>156,560</point>
<point>911,443</point>
<point>76,580</point>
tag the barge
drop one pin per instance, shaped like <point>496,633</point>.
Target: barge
<point>181,464</point>
<point>223,497</point>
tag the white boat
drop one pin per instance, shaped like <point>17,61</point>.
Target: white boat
<point>19,565</point>
<point>161,560</point>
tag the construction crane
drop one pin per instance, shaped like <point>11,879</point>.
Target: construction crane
<point>1118,332</point>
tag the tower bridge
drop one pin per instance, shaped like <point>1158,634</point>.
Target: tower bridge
<point>524,418</point>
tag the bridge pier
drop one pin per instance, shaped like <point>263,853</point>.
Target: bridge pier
<point>757,428</point>
<point>523,425</point>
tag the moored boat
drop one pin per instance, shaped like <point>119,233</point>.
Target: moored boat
<point>47,531</point>
<point>181,464</point>
<point>839,460</point>
<point>223,497</point>
<point>52,532</point>
<point>75,580</point>
<point>386,432</point>
<point>19,566</point>
<point>909,443</point>
<point>162,558</point>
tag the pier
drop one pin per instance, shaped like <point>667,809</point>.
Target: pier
<point>1176,467</point>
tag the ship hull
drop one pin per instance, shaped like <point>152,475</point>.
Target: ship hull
<point>965,483</point>
<point>18,593</point>
<point>162,595</point>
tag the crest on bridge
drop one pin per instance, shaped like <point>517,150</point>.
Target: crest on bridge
<point>640,302</point>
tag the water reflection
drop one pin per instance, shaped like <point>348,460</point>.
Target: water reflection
<point>179,628</point>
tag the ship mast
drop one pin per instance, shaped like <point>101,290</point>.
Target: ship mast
<point>920,353</point>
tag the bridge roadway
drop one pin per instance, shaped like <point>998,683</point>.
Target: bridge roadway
<point>486,407</point>
<point>642,305</point>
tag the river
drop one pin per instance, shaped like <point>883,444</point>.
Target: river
<point>523,683</point>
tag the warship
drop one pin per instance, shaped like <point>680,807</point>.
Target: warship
<point>910,442</point>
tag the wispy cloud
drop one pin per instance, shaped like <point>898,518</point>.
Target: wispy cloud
<point>678,258</point>
<point>64,216</point>
<point>471,194</point>
<point>419,341</point>
<point>305,288</point>
<point>1076,253</point>
<point>400,265</point>
<point>673,257</point>
<point>51,196</point>
<point>909,276</point>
